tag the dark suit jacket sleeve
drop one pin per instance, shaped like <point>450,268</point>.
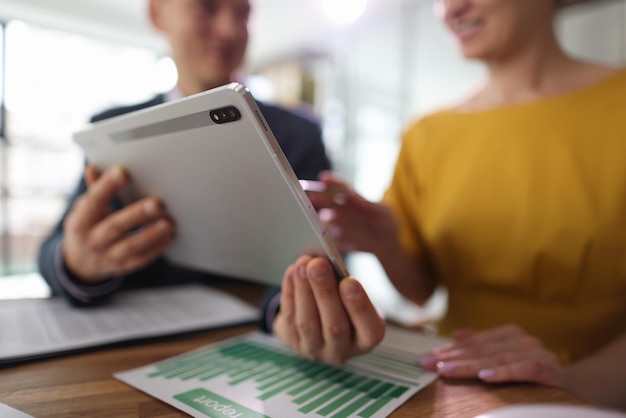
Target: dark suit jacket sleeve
<point>47,263</point>
<point>300,140</point>
<point>48,248</point>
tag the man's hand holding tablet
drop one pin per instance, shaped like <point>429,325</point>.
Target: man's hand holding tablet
<point>322,320</point>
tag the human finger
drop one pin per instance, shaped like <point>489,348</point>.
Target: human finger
<point>117,225</point>
<point>428,360</point>
<point>469,368</point>
<point>526,370</point>
<point>138,249</point>
<point>533,360</point>
<point>105,187</point>
<point>92,205</point>
<point>332,192</point>
<point>91,174</point>
<point>498,333</point>
<point>332,181</point>
<point>463,334</point>
<point>482,338</point>
<point>521,342</point>
<point>307,318</point>
<point>284,325</point>
<point>369,326</point>
<point>336,329</point>
<point>322,200</point>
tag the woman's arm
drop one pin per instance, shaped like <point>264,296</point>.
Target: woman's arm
<point>360,225</point>
<point>509,354</point>
<point>408,275</point>
<point>601,377</point>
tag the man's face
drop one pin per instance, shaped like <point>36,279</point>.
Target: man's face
<point>208,39</point>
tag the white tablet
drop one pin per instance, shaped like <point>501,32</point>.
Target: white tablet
<point>211,158</point>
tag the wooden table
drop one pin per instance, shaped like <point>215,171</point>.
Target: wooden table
<point>82,385</point>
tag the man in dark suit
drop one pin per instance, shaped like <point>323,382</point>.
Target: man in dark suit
<point>99,246</point>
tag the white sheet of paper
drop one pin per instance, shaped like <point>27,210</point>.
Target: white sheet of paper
<point>255,376</point>
<point>39,327</point>
<point>8,412</point>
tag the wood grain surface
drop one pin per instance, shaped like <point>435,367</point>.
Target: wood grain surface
<point>82,385</point>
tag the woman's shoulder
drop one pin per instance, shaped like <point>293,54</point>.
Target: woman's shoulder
<point>431,118</point>
<point>442,117</point>
<point>597,77</point>
<point>435,124</point>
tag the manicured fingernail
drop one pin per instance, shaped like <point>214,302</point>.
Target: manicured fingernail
<point>486,373</point>
<point>340,198</point>
<point>445,367</point>
<point>320,273</point>
<point>326,215</point>
<point>428,360</point>
<point>351,291</point>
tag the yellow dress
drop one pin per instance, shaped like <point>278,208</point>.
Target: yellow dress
<point>522,212</point>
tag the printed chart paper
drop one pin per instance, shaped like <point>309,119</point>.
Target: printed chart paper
<point>255,376</point>
<point>7,412</point>
<point>34,328</point>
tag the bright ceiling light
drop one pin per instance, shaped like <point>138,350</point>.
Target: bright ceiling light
<point>343,11</point>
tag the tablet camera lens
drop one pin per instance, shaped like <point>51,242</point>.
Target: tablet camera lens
<point>225,114</point>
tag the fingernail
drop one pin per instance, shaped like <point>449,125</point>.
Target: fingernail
<point>486,373</point>
<point>162,225</point>
<point>351,291</point>
<point>116,175</point>
<point>428,360</point>
<point>326,215</point>
<point>302,272</point>
<point>445,367</point>
<point>320,273</point>
<point>340,198</point>
<point>324,175</point>
<point>150,208</point>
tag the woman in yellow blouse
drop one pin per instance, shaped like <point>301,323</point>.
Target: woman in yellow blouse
<point>514,200</point>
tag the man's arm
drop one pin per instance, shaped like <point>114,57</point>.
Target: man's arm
<point>53,270</point>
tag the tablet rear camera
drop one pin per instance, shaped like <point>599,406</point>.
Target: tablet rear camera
<point>225,114</point>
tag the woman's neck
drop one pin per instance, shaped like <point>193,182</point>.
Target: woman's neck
<point>540,70</point>
<point>532,73</point>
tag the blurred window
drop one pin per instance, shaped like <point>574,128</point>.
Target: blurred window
<point>53,82</point>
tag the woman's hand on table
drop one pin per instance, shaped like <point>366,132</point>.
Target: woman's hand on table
<point>322,319</point>
<point>503,354</point>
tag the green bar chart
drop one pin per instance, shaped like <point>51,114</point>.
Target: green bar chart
<point>273,381</point>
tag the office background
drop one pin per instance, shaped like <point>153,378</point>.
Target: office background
<point>62,61</point>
